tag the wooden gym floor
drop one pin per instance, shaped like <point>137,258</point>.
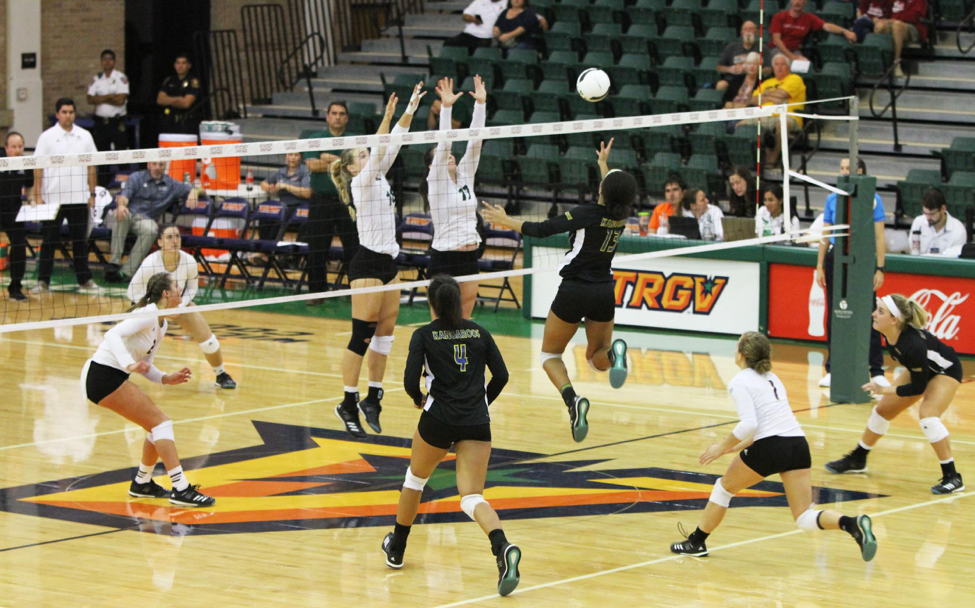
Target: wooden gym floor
<point>301,509</point>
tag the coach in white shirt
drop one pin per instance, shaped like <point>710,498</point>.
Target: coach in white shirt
<point>480,16</point>
<point>73,189</point>
<point>935,232</point>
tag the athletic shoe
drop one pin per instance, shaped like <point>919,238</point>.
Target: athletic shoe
<point>91,288</point>
<point>350,418</point>
<point>41,287</point>
<point>617,373</point>
<point>190,497</point>
<point>114,275</point>
<point>225,381</point>
<point>686,547</point>
<point>370,408</point>
<point>949,485</point>
<point>577,418</point>
<point>865,538</point>
<point>898,72</point>
<point>394,559</point>
<point>848,464</point>
<point>825,382</point>
<point>150,489</point>
<point>18,296</point>
<point>508,577</point>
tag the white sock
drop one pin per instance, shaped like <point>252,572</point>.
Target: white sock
<point>866,447</point>
<point>952,459</point>
<point>373,384</point>
<point>351,389</point>
<point>179,481</point>
<point>218,369</point>
<point>145,473</point>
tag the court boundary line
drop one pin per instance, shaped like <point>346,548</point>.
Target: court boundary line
<point>674,557</point>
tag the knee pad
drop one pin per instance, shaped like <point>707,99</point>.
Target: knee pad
<point>163,431</point>
<point>210,345</point>
<point>877,424</point>
<point>720,496</point>
<point>547,356</point>
<point>382,344</point>
<point>933,429</point>
<point>413,482</point>
<point>469,503</point>
<point>362,332</point>
<point>150,439</point>
<point>809,520</point>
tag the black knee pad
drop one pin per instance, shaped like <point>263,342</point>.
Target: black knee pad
<point>362,332</point>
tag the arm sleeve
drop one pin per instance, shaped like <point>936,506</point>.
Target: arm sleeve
<point>471,9</point>
<point>499,372</point>
<point>154,374</point>
<point>123,86</point>
<point>727,58</point>
<point>468,165</point>
<point>414,368</point>
<point>305,178</point>
<point>443,147</point>
<point>273,178</point>
<point>192,280</point>
<point>392,151</point>
<point>91,87</point>
<point>917,365</point>
<point>879,215</point>
<point>180,189</point>
<point>748,421</point>
<point>776,26</point>
<point>575,218</point>
<point>132,185</point>
<point>114,339</point>
<point>815,23</point>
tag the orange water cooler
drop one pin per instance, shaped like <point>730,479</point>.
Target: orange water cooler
<point>178,168</point>
<point>220,173</point>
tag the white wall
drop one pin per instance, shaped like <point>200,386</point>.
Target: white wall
<point>23,23</point>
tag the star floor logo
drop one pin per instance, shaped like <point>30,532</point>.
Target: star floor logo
<point>310,478</point>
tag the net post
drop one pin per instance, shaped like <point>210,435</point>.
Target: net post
<point>786,194</point>
<point>854,124</point>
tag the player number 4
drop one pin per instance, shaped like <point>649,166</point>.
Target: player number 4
<point>460,356</point>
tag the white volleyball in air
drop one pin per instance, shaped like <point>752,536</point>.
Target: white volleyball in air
<point>593,84</point>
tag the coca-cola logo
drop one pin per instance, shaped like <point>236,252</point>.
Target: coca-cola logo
<point>941,322</point>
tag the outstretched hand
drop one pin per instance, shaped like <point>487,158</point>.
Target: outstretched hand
<point>480,91</point>
<point>415,98</point>
<point>179,377</point>
<point>494,214</point>
<point>391,106</point>
<point>711,454</point>
<point>445,88</point>
<point>602,154</point>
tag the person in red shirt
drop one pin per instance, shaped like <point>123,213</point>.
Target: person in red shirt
<point>904,25</point>
<point>790,28</point>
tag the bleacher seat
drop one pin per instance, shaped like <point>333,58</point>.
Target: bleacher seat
<point>718,13</point>
<point>521,63</point>
<point>536,167</point>
<point>704,139</point>
<point>675,71</point>
<point>683,12</point>
<point>514,93</point>
<point>660,167</point>
<point>875,55</point>
<point>563,36</point>
<point>705,72</point>
<point>668,100</point>
<point>485,62</point>
<point>633,69</point>
<point>706,99</point>
<point>840,13</point>
<point>632,100</point>
<point>548,97</point>
<point>452,62</point>
<point>675,39</point>
<point>960,193</point>
<point>959,157</point>
<point>639,38</point>
<point>913,188</point>
<point>561,65</point>
<point>606,11</point>
<point>714,41</point>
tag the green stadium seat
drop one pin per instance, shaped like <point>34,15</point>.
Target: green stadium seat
<point>624,159</point>
<point>836,49</point>
<point>451,62</point>
<point>413,162</point>
<point>718,13</point>
<point>913,188</point>
<point>670,138</point>
<point>514,93</point>
<point>875,54</point>
<point>563,36</point>
<point>578,164</point>
<point>638,39</point>
<point>683,12</point>
<point>834,80</point>
<point>582,140</point>
<point>402,85</point>
<point>485,61</point>
<point>960,156</point>
<point>659,169</point>
<point>561,65</point>
<point>753,12</point>
<point>548,97</point>
<point>632,100</point>
<point>505,148</point>
<point>668,100</point>
<point>536,167</point>
<point>705,72</point>
<point>468,84</point>
<point>520,63</point>
<point>633,69</point>
<point>506,117</point>
<point>703,172</point>
<point>674,71</point>
<point>674,40</point>
<point>598,60</point>
<point>713,43</point>
<point>840,13</point>
<point>955,10</point>
<point>572,11</point>
<point>607,11</point>
<point>960,193</point>
<point>604,37</point>
<point>541,117</point>
<point>706,99</point>
<point>741,146</point>
<point>704,139</point>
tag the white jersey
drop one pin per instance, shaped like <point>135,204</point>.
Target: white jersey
<point>710,223</point>
<point>453,205</point>
<point>131,341</point>
<point>763,406</point>
<point>186,275</point>
<point>766,225</point>
<point>375,207</point>
<point>114,84</point>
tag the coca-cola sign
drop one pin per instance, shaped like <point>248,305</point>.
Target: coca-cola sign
<point>941,306</point>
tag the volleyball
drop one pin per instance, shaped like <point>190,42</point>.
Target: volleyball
<point>593,84</point>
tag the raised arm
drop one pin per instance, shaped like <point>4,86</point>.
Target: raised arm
<point>402,127</point>
<point>376,155</point>
<point>574,219</point>
<point>472,157</point>
<point>445,89</point>
<point>602,157</point>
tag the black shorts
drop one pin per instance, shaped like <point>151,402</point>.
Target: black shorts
<point>442,435</point>
<point>102,381</point>
<point>581,299</point>
<point>777,454</point>
<point>954,371</point>
<point>367,264</point>
<point>452,263</point>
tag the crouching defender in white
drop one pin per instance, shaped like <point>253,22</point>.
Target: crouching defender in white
<point>773,442</point>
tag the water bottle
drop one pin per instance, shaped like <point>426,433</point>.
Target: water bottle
<point>644,218</point>
<point>250,180</point>
<point>664,224</point>
<point>186,178</point>
<point>707,234</point>
<point>916,242</point>
<point>817,310</point>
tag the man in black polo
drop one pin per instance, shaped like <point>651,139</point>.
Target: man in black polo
<point>12,185</point>
<point>176,97</point>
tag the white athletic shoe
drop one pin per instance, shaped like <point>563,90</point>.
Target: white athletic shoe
<point>880,380</point>
<point>825,381</point>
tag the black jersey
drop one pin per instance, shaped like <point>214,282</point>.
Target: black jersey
<point>12,184</point>
<point>593,237</point>
<point>454,361</point>
<point>923,355</point>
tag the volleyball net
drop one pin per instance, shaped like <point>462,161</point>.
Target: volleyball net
<point>264,223</point>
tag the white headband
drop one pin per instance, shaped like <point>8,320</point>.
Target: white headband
<point>892,306</point>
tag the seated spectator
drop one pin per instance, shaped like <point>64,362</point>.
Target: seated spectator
<point>738,93</point>
<point>696,204</point>
<point>783,87</point>
<point>291,185</point>
<point>770,219</point>
<point>146,195</point>
<point>869,13</point>
<point>731,65</point>
<point>516,27</point>
<point>936,232</point>
<point>480,16</point>
<point>741,203</point>
<point>461,115</point>
<point>673,193</point>
<point>904,25</point>
<point>791,27</point>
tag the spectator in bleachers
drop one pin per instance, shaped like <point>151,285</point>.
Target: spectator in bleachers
<point>936,232</point>
<point>291,185</point>
<point>731,65</point>
<point>783,87</point>
<point>770,218</point>
<point>904,25</point>
<point>791,27</point>
<point>742,201</point>
<point>869,13</point>
<point>673,194</point>
<point>516,27</point>
<point>695,204</point>
<point>738,91</point>
<point>479,16</point>
<point>144,198</point>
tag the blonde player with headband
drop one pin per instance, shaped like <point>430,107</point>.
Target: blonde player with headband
<point>449,189</point>
<point>933,375</point>
<point>360,177</point>
<point>181,265</point>
<point>130,347</point>
<point>773,443</point>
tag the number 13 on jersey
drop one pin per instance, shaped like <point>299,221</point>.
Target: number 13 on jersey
<point>460,356</point>
<point>611,241</point>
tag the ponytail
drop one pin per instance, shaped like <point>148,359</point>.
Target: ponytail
<point>619,191</point>
<point>444,296</point>
<point>339,172</point>
<point>912,313</point>
<point>158,283</point>
<point>757,351</point>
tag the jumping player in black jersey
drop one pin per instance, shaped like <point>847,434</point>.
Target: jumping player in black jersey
<point>453,352</point>
<point>587,290</point>
<point>933,375</point>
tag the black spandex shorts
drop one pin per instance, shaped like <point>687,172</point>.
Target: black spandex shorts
<point>954,371</point>
<point>453,263</point>
<point>442,435</point>
<point>367,264</point>
<point>777,455</point>
<point>580,299</point>
<point>102,381</point>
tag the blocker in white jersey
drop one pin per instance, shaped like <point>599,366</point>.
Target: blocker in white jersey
<point>186,273</point>
<point>773,442</point>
